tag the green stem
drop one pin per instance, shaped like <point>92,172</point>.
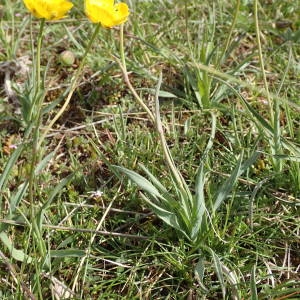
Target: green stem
<point>38,54</point>
<point>274,108</point>
<point>126,78</point>
<point>36,117</point>
<point>261,61</point>
<point>73,85</point>
<point>228,40</point>
<point>163,141</point>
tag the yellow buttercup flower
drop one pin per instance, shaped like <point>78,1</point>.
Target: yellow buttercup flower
<point>48,9</point>
<point>106,12</point>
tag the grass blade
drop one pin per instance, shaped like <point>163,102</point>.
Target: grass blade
<point>254,295</point>
<point>168,217</point>
<point>17,254</point>
<point>67,253</point>
<point>140,181</point>
<point>155,181</point>
<point>227,186</point>
<point>200,206</point>
<point>9,165</point>
<point>219,272</point>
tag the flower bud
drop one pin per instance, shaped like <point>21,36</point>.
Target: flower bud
<point>67,58</point>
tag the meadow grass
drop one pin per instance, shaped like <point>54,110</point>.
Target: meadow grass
<point>171,172</point>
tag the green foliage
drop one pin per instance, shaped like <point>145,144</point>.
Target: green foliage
<point>214,209</point>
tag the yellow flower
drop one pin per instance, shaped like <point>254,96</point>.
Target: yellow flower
<point>48,9</point>
<point>106,12</point>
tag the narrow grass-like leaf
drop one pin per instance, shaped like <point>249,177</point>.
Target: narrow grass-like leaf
<point>73,39</point>
<point>56,190</point>
<point>67,253</point>
<point>16,199</point>
<point>233,280</point>
<point>9,165</point>
<point>227,186</point>
<point>140,181</point>
<point>199,274</point>
<point>219,272</point>
<point>168,217</point>
<point>14,203</point>
<point>155,181</point>
<point>17,254</point>
<point>52,105</point>
<point>51,197</point>
<point>43,163</point>
<point>249,162</point>
<point>288,157</point>
<point>161,94</point>
<point>199,269</point>
<point>292,148</point>
<point>200,208</point>
<point>254,295</point>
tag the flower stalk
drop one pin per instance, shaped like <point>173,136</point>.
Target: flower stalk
<point>123,67</point>
<point>37,107</point>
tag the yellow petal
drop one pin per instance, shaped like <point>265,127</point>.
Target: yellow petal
<point>121,13</point>
<point>106,13</point>
<point>97,13</point>
<point>48,9</point>
<point>101,3</point>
